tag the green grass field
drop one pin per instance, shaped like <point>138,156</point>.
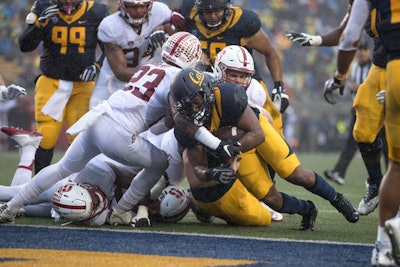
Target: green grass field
<point>330,225</point>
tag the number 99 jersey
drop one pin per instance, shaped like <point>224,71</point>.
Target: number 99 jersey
<point>69,41</point>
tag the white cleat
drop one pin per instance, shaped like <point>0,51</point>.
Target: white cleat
<point>117,218</point>
<point>370,201</point>
<point>22,137</point>
<point>275,216</point>
<point>6,215</point>
<point>392,228</point>
<point>382,255</point>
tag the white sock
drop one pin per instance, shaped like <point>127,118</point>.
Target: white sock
<point>382,236</point>
<point>23,173</point>
<point>8,192</point>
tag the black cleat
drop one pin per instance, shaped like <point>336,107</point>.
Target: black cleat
<point>200,215</point>
<point>308,221</point>
<point>344,206</point>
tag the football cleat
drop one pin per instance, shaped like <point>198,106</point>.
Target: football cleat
<point>117,218</point>
<point>200,215</point>
<point>370,201</point>
<point>392,228</point>
<point>308,221</point>
<point>6,215</point>
<point>334,176</point>
<point>22,137</point>
<point>344,206</point>
<point>382,255</point>
<point>141,218</point>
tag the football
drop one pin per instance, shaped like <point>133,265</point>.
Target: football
<point>229,133</point>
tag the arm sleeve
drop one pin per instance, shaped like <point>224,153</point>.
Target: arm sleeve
<point>30,38</point>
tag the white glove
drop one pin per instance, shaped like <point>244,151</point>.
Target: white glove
<point>12,91</point>
<point>48,13</point>
<point>381,97</point>
<point>305,39</point>
<point>89,73</point>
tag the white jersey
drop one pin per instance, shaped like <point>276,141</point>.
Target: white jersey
<point>115,30</point>
<point>256,93</point>
<point>144,99</point>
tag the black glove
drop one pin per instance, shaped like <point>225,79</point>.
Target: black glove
<point>89,73</point>
<point>12,91</point>
<point>157,38</point>
<point>39,6</point>
<point>221,174</point>
<point>332,85</point>
<point>227,149</point>
<point>48,13</point>
<point>178,21</point>
<point>279,97</point>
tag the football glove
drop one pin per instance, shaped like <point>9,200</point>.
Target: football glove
<point>381,97</point>
<point>178,21</point>
<point>227,149</point>
<point>279,97</point>
<point>332,85</point>
<point>89,73</point>
<point>39,6</point>
<point>49,13</point>
<point>304,39</point>
<point>221,174</point>
<point>157,38</point>
<point>12,91</point>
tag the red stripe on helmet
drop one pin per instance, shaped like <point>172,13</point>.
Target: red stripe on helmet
<point>69,206</point>
<point>244,56</point>
<point>177,43</point>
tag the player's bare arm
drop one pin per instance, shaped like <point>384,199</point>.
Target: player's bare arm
<point>263,44</point>
<point>117,60</point>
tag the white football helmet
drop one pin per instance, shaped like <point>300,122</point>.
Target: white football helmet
<point>79,202</point>
<point>234,57</point>
<point>174,203</point>
<point>182,49</point>
<point>135,22</point>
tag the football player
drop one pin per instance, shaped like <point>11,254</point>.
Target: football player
<point>130,37</point>
<point>199,109</point>
<point>235,64</point>
<point>388,29</point>
<point>68,31</point>
<point>217,24</point>
<point>369,112</point>
<point>80,198</point>
<point>10,92</point>
<point>113,128</point>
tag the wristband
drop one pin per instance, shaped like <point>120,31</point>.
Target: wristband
<point>316,41</point>
<point>206,138</point>
<point>340,76</point>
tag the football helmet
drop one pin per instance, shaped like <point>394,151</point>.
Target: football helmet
<point>136,22</point>
<point>68,7</point>
<point>234,57</point>
<point>79,202</point>
<point>213,5</point>
<point>183,50</point>
<point>174,203</point>
<point>188,85</point>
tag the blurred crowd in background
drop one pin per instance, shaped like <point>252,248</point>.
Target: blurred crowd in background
<point>310,124</point>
